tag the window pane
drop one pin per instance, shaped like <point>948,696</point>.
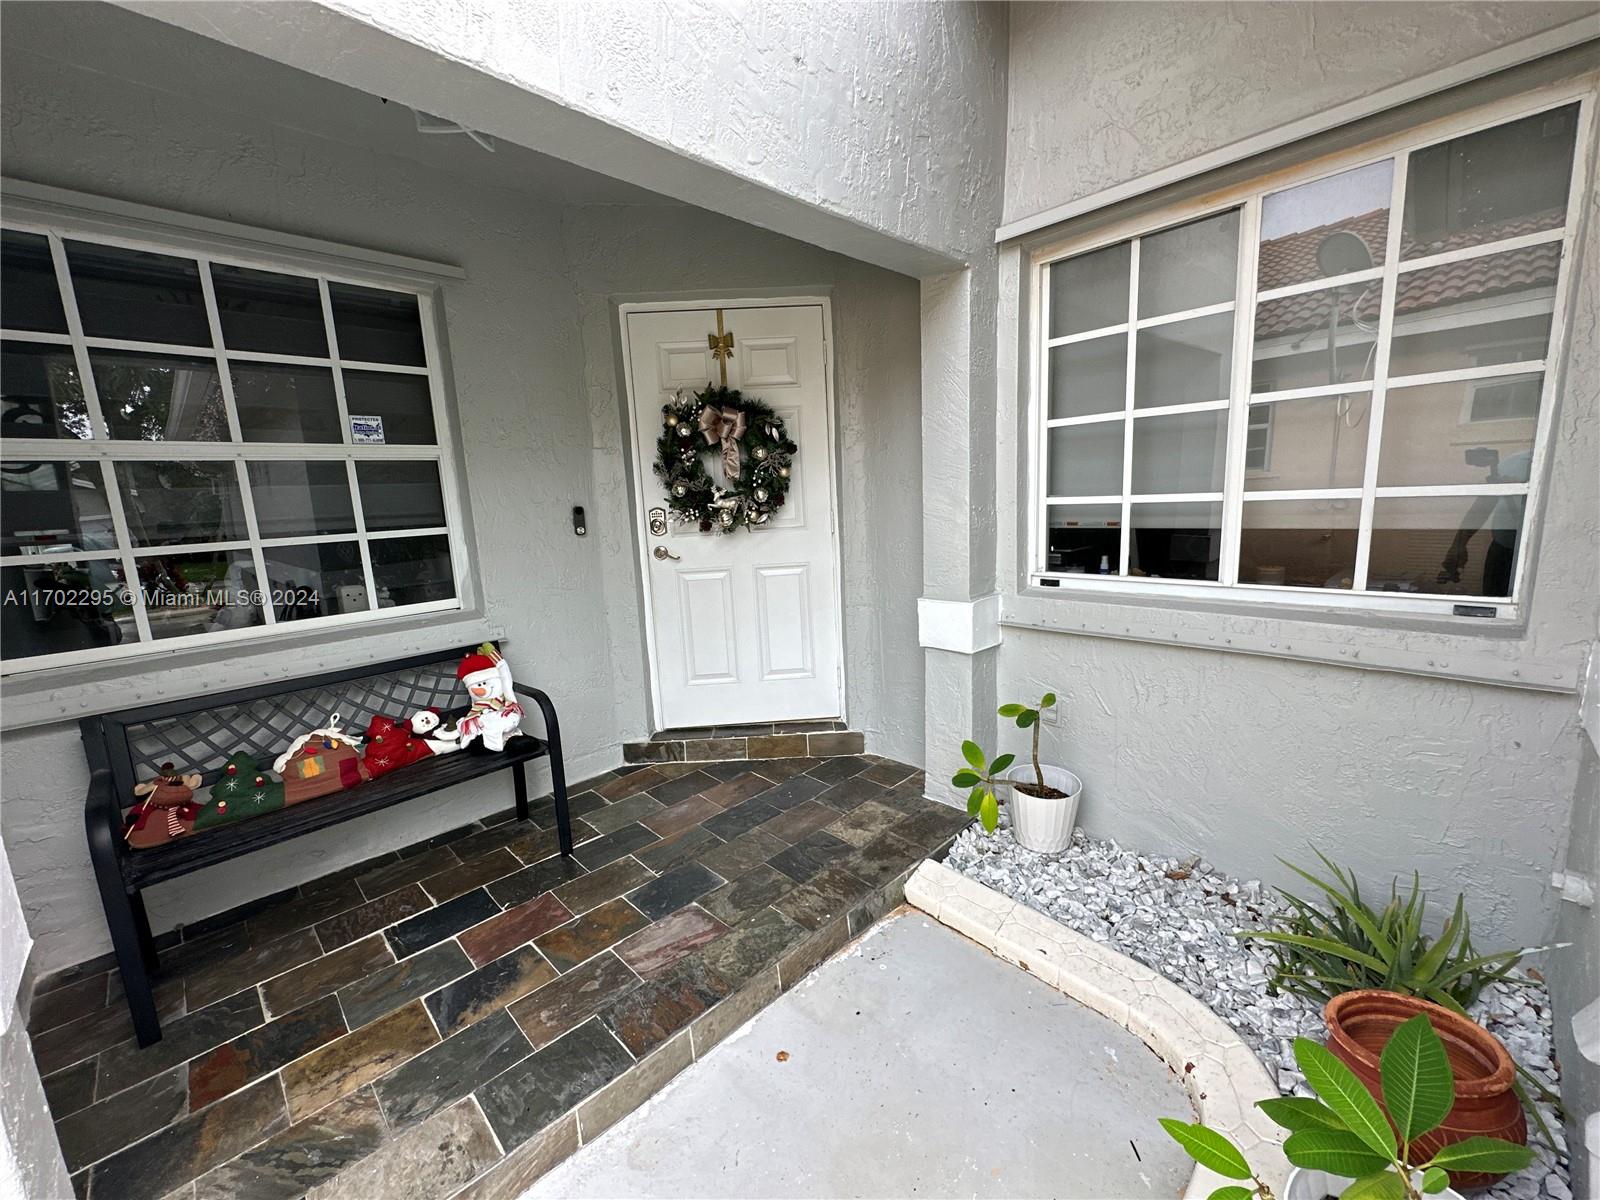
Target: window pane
<point>1496,183</point>
<point>168,503</point>
<point>285,404</point>
<point>1090,291</point>
<point>1181,453</point>
<point>138,296</point>
<point>412,570</point>
<point>1190,266</point>
<point>1187,362</point>
<point>1429,437</point>
<point>1494,309</point>
<point>400,495</point>
<point>1089,377</point>
<point>376,326</point>
<point>1458,545</point>
<point>1175,541</point>
<point>267,311</point>
<point>154,398</point>
<point>187,594</point>
<point>40,393</point>
<point>1316,443</point>
<point>49,506</point>
<point>301,499</point>
<point>29,297</point>
<point>1316,338</point>
<point>1328,227</point>
<point>315,581</point>
<point>1084,539</point>
<point>1299,543</point>
<point>63,606</point>
<point>401,404</point>
<point>1086,460</point>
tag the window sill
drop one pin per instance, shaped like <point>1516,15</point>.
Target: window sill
<point>1455,648</point>
<point>56,695</point>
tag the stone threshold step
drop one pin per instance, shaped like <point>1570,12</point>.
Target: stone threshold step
<point>697,745</point>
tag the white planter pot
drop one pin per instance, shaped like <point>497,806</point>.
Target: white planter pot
<point>1305,1184</point>
<point>1040,824</point>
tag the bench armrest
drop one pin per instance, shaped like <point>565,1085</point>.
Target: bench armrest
<point>552,726</point>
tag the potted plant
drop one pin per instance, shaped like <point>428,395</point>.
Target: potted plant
<point>1343,1143</point>
<point>1044,799</point>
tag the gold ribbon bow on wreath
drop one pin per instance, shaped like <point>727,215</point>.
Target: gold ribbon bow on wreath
<point>725,426</point>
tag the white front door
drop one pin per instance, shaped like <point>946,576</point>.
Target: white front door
<point>745,624</point>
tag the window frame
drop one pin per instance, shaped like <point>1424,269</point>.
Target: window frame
<point>1247,197</point>
<point>206,243</point>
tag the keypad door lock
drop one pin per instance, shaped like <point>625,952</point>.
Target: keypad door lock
<point>658,522</point>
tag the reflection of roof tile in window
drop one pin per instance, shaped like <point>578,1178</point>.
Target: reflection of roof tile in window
<point>1293,258</point>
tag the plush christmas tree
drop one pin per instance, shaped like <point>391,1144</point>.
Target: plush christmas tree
<point>245,790</point>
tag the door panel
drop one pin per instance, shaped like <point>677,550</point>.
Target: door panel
<point>745,625</point>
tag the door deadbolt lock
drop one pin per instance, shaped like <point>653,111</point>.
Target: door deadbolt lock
<point>658,522</point>
<point>663,554</point>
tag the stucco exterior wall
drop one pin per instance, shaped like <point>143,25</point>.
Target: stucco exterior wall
<point>1102,93</point>
<point>531,333</point>
<point>1248,757</point>
<point>1575,971</point>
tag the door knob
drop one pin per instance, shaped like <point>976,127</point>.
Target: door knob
<point>663,554</point>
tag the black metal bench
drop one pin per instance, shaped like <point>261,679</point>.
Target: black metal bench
<point>200,733</point>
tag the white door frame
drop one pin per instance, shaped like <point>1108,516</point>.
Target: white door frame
<point>641,472</point>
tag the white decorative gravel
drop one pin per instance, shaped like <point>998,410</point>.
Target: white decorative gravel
<point>1178,917</point>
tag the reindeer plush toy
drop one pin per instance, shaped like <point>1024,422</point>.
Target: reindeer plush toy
<point>166,808</point>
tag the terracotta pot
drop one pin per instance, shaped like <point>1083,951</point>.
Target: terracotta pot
<point>1360,1025</point>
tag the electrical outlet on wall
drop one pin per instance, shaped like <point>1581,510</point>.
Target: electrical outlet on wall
<point>1048,716</point>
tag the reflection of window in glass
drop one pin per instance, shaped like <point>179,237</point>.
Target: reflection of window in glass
<point>1505,399</point>
<point>155,398</point>
<point>40,393</point>
<point>1497,183</point>
<point>1333,226</point>
<point>1258,439</point>
<point>47,507</point>
<point>1427,443</point>
<point>170,503</point>
<point>1447,317</point>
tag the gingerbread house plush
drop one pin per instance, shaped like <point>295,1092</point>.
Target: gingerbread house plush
<point>321,762</point>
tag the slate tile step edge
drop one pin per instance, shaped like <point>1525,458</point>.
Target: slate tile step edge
<point>720,747</point>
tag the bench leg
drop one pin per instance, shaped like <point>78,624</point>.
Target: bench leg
<point>558,791</point>
<point>129,946</point>
<point>519,782</point>
<point>147,942</point>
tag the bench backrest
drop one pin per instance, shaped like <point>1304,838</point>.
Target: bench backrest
<point>200,733</point>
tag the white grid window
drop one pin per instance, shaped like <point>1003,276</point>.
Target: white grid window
<point>199,449</point>
<point>1331,391</point>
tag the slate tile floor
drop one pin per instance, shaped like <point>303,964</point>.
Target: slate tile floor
<point>452,1019</point>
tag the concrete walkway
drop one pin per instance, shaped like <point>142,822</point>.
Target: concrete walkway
<point>916,1064</point>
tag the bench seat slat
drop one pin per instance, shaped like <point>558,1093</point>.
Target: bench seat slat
<point>186,854</point>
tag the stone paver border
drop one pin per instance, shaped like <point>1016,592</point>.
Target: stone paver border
<point>1222,1075</point>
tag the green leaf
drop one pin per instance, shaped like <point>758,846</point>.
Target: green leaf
<point>966,779</point>
<point>1337,1151</point>
<point>1486,1155</point>
<point>1341,1091</point>
<point>974,801</point>
<point>1300,1112</point>
<point>1027,718</point>
<point>973,753</point>
<point>989,812</point>
<point>1380,1185</point>
<point>1324,945</point>
<point>1208,1148</point>
<point>1001,763</point>
<point>1435,1180</point>
<point>1049,700</point>
<point>1418,1088</point>
<point>1232,1191</point>
<point>1009,710</point>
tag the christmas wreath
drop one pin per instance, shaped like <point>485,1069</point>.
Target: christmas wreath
<point>756,453</point>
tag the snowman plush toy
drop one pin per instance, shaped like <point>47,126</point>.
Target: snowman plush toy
<point>495,718</point>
